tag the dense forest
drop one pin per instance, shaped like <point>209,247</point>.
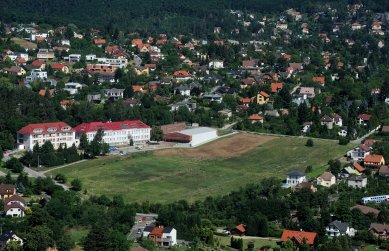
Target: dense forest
<point>197,17</point>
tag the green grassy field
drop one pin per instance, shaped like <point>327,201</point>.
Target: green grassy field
<point>258,243</point>
<point>142,177</point>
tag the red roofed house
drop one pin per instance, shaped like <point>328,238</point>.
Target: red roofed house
<point>99,42</point>
<point>358,167</point>
<point>255,118</point>
<point>38,64</point>
<point>238,230</point>
<point>116,133</point>
<point>15,70</point>
<point>137,42</point>
<point>374,161</point>
<point>59,133</point>
<point>380,231</point>
<point>363,119</point>
<point>138,88</point>
<point>163,236</point>
<point>15,206</point>
<point>60,67</point>
<point>42,92</point>
<point>262,98</point>
<point>181,76</point>
<point>299,237</point>
<point>319,80</point>
<point>245,101</point>
<point>276,87</point>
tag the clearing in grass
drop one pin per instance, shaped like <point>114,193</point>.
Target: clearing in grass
<point>213,169</point>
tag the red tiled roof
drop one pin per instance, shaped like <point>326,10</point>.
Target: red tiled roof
<point>358,167</point>
<point>240,228</point>
<point>375,158</point>
<point>14,197</point>
<point>264,94</point>
<point>245,100</point>
<point>13,205</point>
<point>37,63</point>
<point>255,117</point>
<point>110,126</point>
<point>57,66</point>
<point>99,41</point>
<point>181,74</point>
<point>138,88</point>
<point>320,80</point>
<point>275,87</point>
<point>157,231</point>
<point>364,117</point>
<point>42,128</point>
<point>299,236</point>
<point>21,60</point>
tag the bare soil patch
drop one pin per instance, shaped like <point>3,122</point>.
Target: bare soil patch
<point>229,147</point>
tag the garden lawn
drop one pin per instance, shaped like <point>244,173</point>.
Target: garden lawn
<point>168,177</point>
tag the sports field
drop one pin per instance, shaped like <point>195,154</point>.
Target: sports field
<point>213,169</point>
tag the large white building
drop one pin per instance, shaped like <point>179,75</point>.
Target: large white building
<point>58,133</point>
<point>294,178</point>
<point>116,133</point>
<point>193,137</point>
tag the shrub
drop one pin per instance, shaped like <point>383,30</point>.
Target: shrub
<point>309,143</point>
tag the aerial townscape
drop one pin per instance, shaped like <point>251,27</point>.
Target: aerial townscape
<point>247,125</point>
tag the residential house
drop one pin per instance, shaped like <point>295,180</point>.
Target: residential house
<point>245,101</point>
<point>307,92</point>
<point>276,87</point>
<point>255,118</point>
<point>347,172</point>
<point>337,119</point>
<point>190,105</point>
<point>380,231</point>
<point>7,237</point>
<point>238,230</point>
<point>384,171</point>
<point>294,178</point>
<point>138,88</point>
<point>60,67</point>
<point>374,161</point>
<point>36,74</point>
<point>72,87</point>
<point>357,181</point>
<point>15,206</point>
<point>226,112</point>
<point>319,80</point>
<point>306,185</point>
<point>216,64</point>
<point>358,167</point>
<point>262,98</point>
<point>272,113</point>
<point>7,190</point>
<point>327,179</point>
<point>327,121</point>
<point>15,70</point>
<point>251,66</point>
<point>99,42</point>
<point>246,82</point>
<point>359,153</point>
<point>38,64</point>
<point>299,237</point>
<point>163,236</point>
<point>45,54</point>
<point>58,133</point>
<point>66,103</point>
<point>213,97</point>
<point>306,127</point>
<point>338,228</point>
<point>114,93</point>
<point>363,119</point>
<point>141,70</point>
<point>182,76</point>
<point>183,90</point>
<point>366,210</point>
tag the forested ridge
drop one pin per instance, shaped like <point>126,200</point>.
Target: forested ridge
<point>196,17</point>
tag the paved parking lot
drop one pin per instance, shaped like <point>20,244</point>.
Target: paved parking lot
<point>141,221</point>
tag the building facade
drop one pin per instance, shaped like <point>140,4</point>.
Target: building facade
<point>116,133</point>
<point>58,133</point>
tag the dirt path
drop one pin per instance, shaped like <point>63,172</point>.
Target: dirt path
<point>228,147</point>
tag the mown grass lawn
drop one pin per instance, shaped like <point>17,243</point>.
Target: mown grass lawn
<point>258,243</point>
<point>146,177</point>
